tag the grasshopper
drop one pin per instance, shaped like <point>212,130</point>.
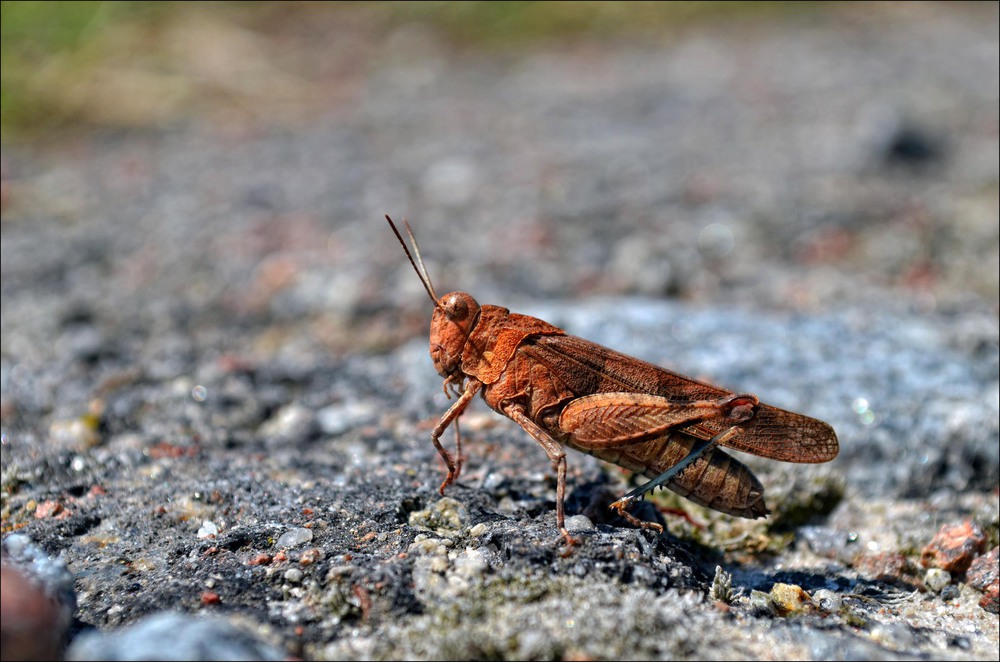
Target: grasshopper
<point>565,391</point>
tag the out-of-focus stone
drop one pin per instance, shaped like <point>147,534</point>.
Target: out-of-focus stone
<point>291,422</point>
<point>991,598</point>
<point>984,570</point>
<point>37,602</point>
<point>936,579</point>
<point>29,619</point>
<point>579,524</point>
<point>954,547</point>
<point>790,598</point>
<point>294,537</point>
<point>177,636</point>
<point>827,601</point>
<point>984,575</point>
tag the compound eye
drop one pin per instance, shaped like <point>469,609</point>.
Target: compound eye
<point>456,308</point>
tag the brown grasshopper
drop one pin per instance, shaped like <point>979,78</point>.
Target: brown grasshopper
<point>567,391</point>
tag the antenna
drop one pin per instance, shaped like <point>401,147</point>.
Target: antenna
<point>421,269</point>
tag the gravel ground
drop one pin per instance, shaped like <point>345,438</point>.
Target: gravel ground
<point>217,399</point>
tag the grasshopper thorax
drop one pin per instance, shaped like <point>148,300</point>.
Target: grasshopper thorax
<point>455,316</point>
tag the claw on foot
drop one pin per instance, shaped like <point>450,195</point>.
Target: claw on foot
<point>448,480</point>
<point>570,541</point>
<point>621,507</point>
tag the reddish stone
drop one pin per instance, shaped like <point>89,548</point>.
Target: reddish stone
<point>954,547</point>
<point>260,559</point>
<point>168,450</point>
<point>51,509</point>
<point>985,570</point>
<point>991,598</point>
<point>32,624</point>
<point>311,556</point>
<point>984,575</point>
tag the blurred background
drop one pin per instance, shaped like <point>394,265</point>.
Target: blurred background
<point>239,157</point>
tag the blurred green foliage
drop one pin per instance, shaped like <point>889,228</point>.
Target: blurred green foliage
<point>86,62</point>
<point>37,36</point>
<point>499,24</point>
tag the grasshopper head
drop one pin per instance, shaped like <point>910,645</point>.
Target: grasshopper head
<point>455,315</point>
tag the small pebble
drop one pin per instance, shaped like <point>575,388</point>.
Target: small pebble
<point>827,600</point>
<point>290,423</point>
<point>208,529</point>
<point>294,537</point>
<point>936,579</point>
<point>579,524</point>
<point>983,576</point>
<point>954,547</point>
<point>479,530</point>
<point>790,598</point>
<point>984,570</point>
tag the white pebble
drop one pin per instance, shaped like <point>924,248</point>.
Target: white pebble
<point>294,537</point>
